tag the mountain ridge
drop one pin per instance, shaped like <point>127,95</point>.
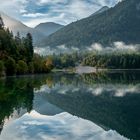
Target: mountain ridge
<point>103,9</point>
<point>115,24</point>
<point>48,27</point>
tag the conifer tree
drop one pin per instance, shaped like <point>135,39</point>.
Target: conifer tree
<point>1,23</point>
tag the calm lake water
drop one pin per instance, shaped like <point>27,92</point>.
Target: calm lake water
<point>61,106</point>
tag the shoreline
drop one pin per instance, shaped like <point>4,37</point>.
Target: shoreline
<point>72,70</point>
<point>88,69</point>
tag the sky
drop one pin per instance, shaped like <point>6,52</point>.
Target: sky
<point>33,12</point>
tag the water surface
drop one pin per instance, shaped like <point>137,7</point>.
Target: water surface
<point>61,106</point>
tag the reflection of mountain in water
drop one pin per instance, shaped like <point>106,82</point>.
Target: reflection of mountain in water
<point>120,113</point>
<point>41,105</point>
<point>111,100</point>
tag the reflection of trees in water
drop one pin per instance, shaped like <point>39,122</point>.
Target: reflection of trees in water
<point>15,93</point>
<point>61,79</point>
<point>111,77</point>
<point>93,78</point>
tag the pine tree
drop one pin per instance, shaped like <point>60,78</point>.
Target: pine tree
<point>1,23</point>
<point>29,46</point>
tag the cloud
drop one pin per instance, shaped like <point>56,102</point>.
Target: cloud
<point>33,12</point>
<point>57,50</point>
<point>42,2</point>
<point>33,15</point>
<point>117,46</point>
<point>13,7</point>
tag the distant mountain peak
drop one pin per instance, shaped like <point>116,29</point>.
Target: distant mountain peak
<point>48,23</point>
<point>48,27</point>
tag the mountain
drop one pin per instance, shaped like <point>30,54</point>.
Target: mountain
<point>48,28</point>
<point>119,23</point>
<point>17,26</point>
<point>103,9</point>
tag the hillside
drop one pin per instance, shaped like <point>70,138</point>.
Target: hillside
<point>17,26</point>
<point>48,28</point>
<point>120,23</point>
<point>17,55</point>
<point>103,9</point>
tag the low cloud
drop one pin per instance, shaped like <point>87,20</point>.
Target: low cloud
<point>57,50</point>
<point>96,47</point>
<point>117,46</point>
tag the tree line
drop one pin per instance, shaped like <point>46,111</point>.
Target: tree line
<point>113,60</point>
<point>67,60</point>
<point>17,54</point>
<point>110,60</point>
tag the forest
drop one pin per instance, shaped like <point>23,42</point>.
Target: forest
<point>17,55</point>
<point>66,60</point>
<point>109,60</point>
<point>115,60</point>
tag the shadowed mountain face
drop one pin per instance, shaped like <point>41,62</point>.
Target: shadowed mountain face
<point>120,23</point>
<point>48,28</point>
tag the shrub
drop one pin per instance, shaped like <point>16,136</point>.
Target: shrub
<point>22,67</point>
<point>2,68</point>
<point>10,66</point>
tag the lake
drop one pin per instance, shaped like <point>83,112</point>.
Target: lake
<point>62,106</point>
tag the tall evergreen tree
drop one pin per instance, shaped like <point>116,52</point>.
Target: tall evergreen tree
<point>1,23</point>
<point>29,46</point>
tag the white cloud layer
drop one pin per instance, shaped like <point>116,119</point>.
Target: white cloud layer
<point>96,47</point>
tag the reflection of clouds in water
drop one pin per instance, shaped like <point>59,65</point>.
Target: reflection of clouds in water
<point>96,91</point>
<point>60,89</point>
<point>63,126</point>
<point>43,88</point>
<point>16,114</point>
<point>117,90</point>
<point>75,89</point>
<point>123,92</point>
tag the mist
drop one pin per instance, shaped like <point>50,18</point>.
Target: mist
<point>96,47</point>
